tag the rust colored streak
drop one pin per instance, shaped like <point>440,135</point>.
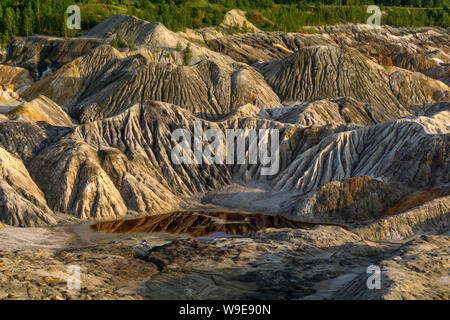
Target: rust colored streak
<point>414,200</point>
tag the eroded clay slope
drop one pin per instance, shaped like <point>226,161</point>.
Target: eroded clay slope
<point>332,112</point>
<point>41,55</point>
<point>420,145</point>
<point>42,109</point>
<point>164,44</point>
<point>322,72</point>
<point>22,203</point>
<point>16,77</point>
<point>122,162</point>
<point>104,82</point>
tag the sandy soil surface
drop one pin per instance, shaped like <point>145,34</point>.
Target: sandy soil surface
<point>34,262</point>
<point>324,262</point>
<point>253,198</point>
<point>70,236</point>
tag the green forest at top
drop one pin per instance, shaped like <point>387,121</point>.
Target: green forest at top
<point>27,17</point>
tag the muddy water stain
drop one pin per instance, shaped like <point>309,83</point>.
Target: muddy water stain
<point>200,223</point>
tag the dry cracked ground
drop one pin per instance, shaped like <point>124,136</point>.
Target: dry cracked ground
<point>86,177</point>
